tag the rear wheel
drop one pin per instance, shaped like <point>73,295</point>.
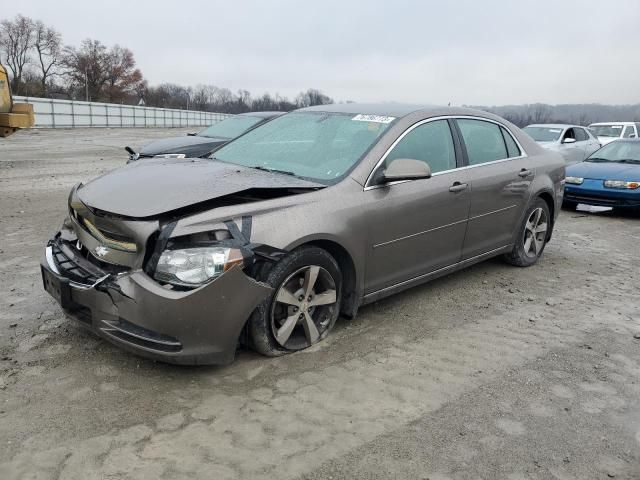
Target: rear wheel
<point>533,235</point>
<point>304,306</point>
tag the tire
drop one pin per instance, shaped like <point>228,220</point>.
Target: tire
<point>569,205</point>
<point>278,327</point>
<point>529,246</point>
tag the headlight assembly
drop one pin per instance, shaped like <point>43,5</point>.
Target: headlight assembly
<point>171,155</point>
<point>192,267</point>
<point>621,184</point>
<point>574,180</point>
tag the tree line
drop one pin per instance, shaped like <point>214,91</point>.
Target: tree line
<point>574,114</point>
<point>40,65</point>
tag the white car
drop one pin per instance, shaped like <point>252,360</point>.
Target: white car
<point>573,142</point>
<point>607,132</point>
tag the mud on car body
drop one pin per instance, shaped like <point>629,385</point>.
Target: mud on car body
<point>311,215</point>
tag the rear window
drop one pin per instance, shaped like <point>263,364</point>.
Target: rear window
<point>483,140</point>
<point>512,147</point>
<point>581,135</point>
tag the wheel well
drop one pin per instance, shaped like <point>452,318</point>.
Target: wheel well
<point>348,270</point>
<point>546,196</point>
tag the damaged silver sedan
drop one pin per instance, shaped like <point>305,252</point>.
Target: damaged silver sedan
<point>294,223</point>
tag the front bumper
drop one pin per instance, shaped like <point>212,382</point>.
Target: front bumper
<point>131,310</point>
<point>592,192</point>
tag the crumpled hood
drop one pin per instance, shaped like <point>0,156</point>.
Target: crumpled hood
<point>148,189</point>
<point>605,171</point>
<point>191,146</point>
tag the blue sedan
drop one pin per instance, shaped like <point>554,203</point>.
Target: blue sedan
<point>610,177</point>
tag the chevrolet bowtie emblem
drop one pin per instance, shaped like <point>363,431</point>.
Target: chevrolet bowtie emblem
<point>101,251</point>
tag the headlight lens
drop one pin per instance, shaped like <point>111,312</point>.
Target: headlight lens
<point>195,266</point>
<point>574,180</point>
<point>621,184</point>
<point>171,155</point>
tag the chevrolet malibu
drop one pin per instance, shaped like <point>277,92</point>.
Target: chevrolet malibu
<point>307,217</point>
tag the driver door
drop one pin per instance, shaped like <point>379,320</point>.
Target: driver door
<point>418,226</point>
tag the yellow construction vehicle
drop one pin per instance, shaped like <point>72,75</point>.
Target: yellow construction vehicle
<point>12,115</point>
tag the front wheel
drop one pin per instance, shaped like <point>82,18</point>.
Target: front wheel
<point>532,236</point>
<point>305,304</point>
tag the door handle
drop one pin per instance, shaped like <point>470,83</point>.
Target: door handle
<point>458,187</point>
<point>524,173</point>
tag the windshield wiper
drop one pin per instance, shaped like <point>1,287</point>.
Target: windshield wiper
<point>273,170</point>
<point>628,160</point>
<point>597,160</point>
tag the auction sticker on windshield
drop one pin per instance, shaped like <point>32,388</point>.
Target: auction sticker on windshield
<point>373,118</point>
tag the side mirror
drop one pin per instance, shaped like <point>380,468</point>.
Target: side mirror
<point>406,169</point>
<point>569,140</point>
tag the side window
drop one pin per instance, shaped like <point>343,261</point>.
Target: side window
<point>629,131</point>
<point>581,135</point>
<point>512,147</point>
<point>569,134</point>
<point>431,143</point>
<point>483,140</point>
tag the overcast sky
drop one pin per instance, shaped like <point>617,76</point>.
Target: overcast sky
<point>477,52</point>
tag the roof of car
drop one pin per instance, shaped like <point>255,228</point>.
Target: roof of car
<point>391,109</point>
<point>611,123</point>
<point>554,125</point>
<point>263,114</point>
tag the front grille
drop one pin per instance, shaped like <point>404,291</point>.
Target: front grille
<point>106,237</point>
<point>70,269</point>
<point>129,332</point>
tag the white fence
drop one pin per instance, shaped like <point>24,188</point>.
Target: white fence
<point>54,113</point>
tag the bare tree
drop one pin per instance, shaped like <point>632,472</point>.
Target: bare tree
<point>122,75</point>
<point>48,45</point>
<point>86,68</point>
<point>16,39</point>
<point>312,97</point>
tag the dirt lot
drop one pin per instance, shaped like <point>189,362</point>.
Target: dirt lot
<point>494,372</point>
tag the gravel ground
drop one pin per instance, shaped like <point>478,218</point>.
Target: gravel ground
<point>494,372</point>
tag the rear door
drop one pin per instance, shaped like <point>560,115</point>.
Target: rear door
<point>416,227</point>
<point>501,174</point>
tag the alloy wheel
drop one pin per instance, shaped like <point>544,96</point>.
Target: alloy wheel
<point>303,307</point>
<point>535,232</point>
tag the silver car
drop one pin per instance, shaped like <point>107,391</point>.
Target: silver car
<point>573,142</point>
<point>304,218</point>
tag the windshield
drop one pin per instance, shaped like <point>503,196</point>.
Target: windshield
<point>230,127</point>
<point>606,130</point>
<point>315,145</point>
<point>618,151</point>
<point>544,134</point>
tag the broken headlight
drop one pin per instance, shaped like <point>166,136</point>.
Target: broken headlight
<point>194,266</point>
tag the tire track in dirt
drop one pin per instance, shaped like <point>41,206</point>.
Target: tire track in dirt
<point>307,418</point>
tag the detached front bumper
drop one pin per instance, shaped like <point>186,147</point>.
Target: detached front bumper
<point>131,310</point>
